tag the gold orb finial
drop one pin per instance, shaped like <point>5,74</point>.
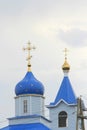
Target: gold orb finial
<point>29,48</point>
<point>66,66</point>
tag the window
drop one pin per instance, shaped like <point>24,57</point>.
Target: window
<point>25,106</point>
<point>62,118</point>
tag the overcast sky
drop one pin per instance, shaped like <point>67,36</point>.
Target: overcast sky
<point>51,26</point>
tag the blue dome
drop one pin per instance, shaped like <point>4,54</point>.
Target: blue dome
<point>29,85</point>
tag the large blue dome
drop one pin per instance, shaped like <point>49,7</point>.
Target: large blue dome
<point>29,85</point>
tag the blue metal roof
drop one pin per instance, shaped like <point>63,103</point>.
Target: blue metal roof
<point>33,126</point>
<point>29,116</point>
<point>29,85</point>
<point>65,93</point>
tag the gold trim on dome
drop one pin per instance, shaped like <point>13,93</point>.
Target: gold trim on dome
<point>65,65</point>
<point>35,95</point>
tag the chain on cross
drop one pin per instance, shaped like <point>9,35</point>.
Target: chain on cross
<point>29,48</point>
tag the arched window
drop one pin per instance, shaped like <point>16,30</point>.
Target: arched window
<point>25,106</point>
<point>62,119</point>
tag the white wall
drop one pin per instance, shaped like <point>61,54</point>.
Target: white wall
<point>35,105</point>
<point>72,116</point>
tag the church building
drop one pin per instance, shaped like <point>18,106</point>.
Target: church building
<point>30,106</point>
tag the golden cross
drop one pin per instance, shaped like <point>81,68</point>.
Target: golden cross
<point>29,48</point>
<point>65,51</point>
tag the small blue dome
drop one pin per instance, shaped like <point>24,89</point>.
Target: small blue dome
<point>29,85</point>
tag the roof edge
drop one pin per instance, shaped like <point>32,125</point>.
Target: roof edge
<point>29,116</point>
<point>54,105</point>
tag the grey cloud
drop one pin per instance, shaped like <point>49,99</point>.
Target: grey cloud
<point>74,37</point>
